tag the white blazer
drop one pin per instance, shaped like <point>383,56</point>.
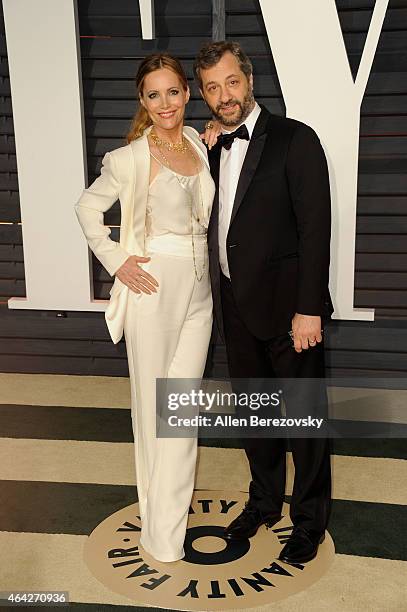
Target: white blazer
<point>125,175</point>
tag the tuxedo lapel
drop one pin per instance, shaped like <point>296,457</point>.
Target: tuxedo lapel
<point>213,239</point>
<point>214,162</point>
<point>251,161</point>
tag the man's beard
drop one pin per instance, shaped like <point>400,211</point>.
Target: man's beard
<point>245,108</point>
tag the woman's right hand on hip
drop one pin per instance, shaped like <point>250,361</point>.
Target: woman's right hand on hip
<point>137,279</point>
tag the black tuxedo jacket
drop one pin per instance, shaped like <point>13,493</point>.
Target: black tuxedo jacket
<point>278,244</point>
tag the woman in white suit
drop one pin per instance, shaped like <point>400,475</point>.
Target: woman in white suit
<point>161,295</point>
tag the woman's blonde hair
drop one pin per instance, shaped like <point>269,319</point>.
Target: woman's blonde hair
<point>156,61</point>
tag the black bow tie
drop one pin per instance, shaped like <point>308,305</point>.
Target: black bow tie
<point>227,139</point>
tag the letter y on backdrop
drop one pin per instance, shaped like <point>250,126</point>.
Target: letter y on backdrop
<point>318,88</point>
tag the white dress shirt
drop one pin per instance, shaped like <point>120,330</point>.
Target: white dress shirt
<point>231,162</point>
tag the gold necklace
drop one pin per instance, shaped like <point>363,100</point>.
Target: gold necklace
<point>179,147</point>
<point>198,278</point>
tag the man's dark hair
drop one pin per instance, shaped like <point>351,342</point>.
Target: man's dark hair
<point>212,53</point>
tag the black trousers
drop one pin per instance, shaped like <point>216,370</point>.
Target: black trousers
<point>249,357</point>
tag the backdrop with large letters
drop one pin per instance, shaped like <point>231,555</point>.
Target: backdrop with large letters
<point>326,72</point>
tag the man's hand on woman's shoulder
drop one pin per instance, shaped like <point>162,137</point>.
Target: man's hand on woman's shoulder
<point>211,134</point>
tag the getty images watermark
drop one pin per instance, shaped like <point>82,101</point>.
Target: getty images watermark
<point>275,408</point>
<point>254,401</point>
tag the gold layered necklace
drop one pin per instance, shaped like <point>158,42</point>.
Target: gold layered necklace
<point>179,147</point>
<point>167,163</point>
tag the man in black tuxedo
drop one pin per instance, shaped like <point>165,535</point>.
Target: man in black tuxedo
<point>269,250</point>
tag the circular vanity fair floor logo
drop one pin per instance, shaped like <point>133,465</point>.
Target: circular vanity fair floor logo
<point>214,574</point>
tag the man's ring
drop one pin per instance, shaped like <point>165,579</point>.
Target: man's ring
<point>208,125</point>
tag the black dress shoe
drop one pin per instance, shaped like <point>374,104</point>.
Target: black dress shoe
<point>302,545</point>
<point>248,522</point>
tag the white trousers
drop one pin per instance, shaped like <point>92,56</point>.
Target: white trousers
<point>167,336</point>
